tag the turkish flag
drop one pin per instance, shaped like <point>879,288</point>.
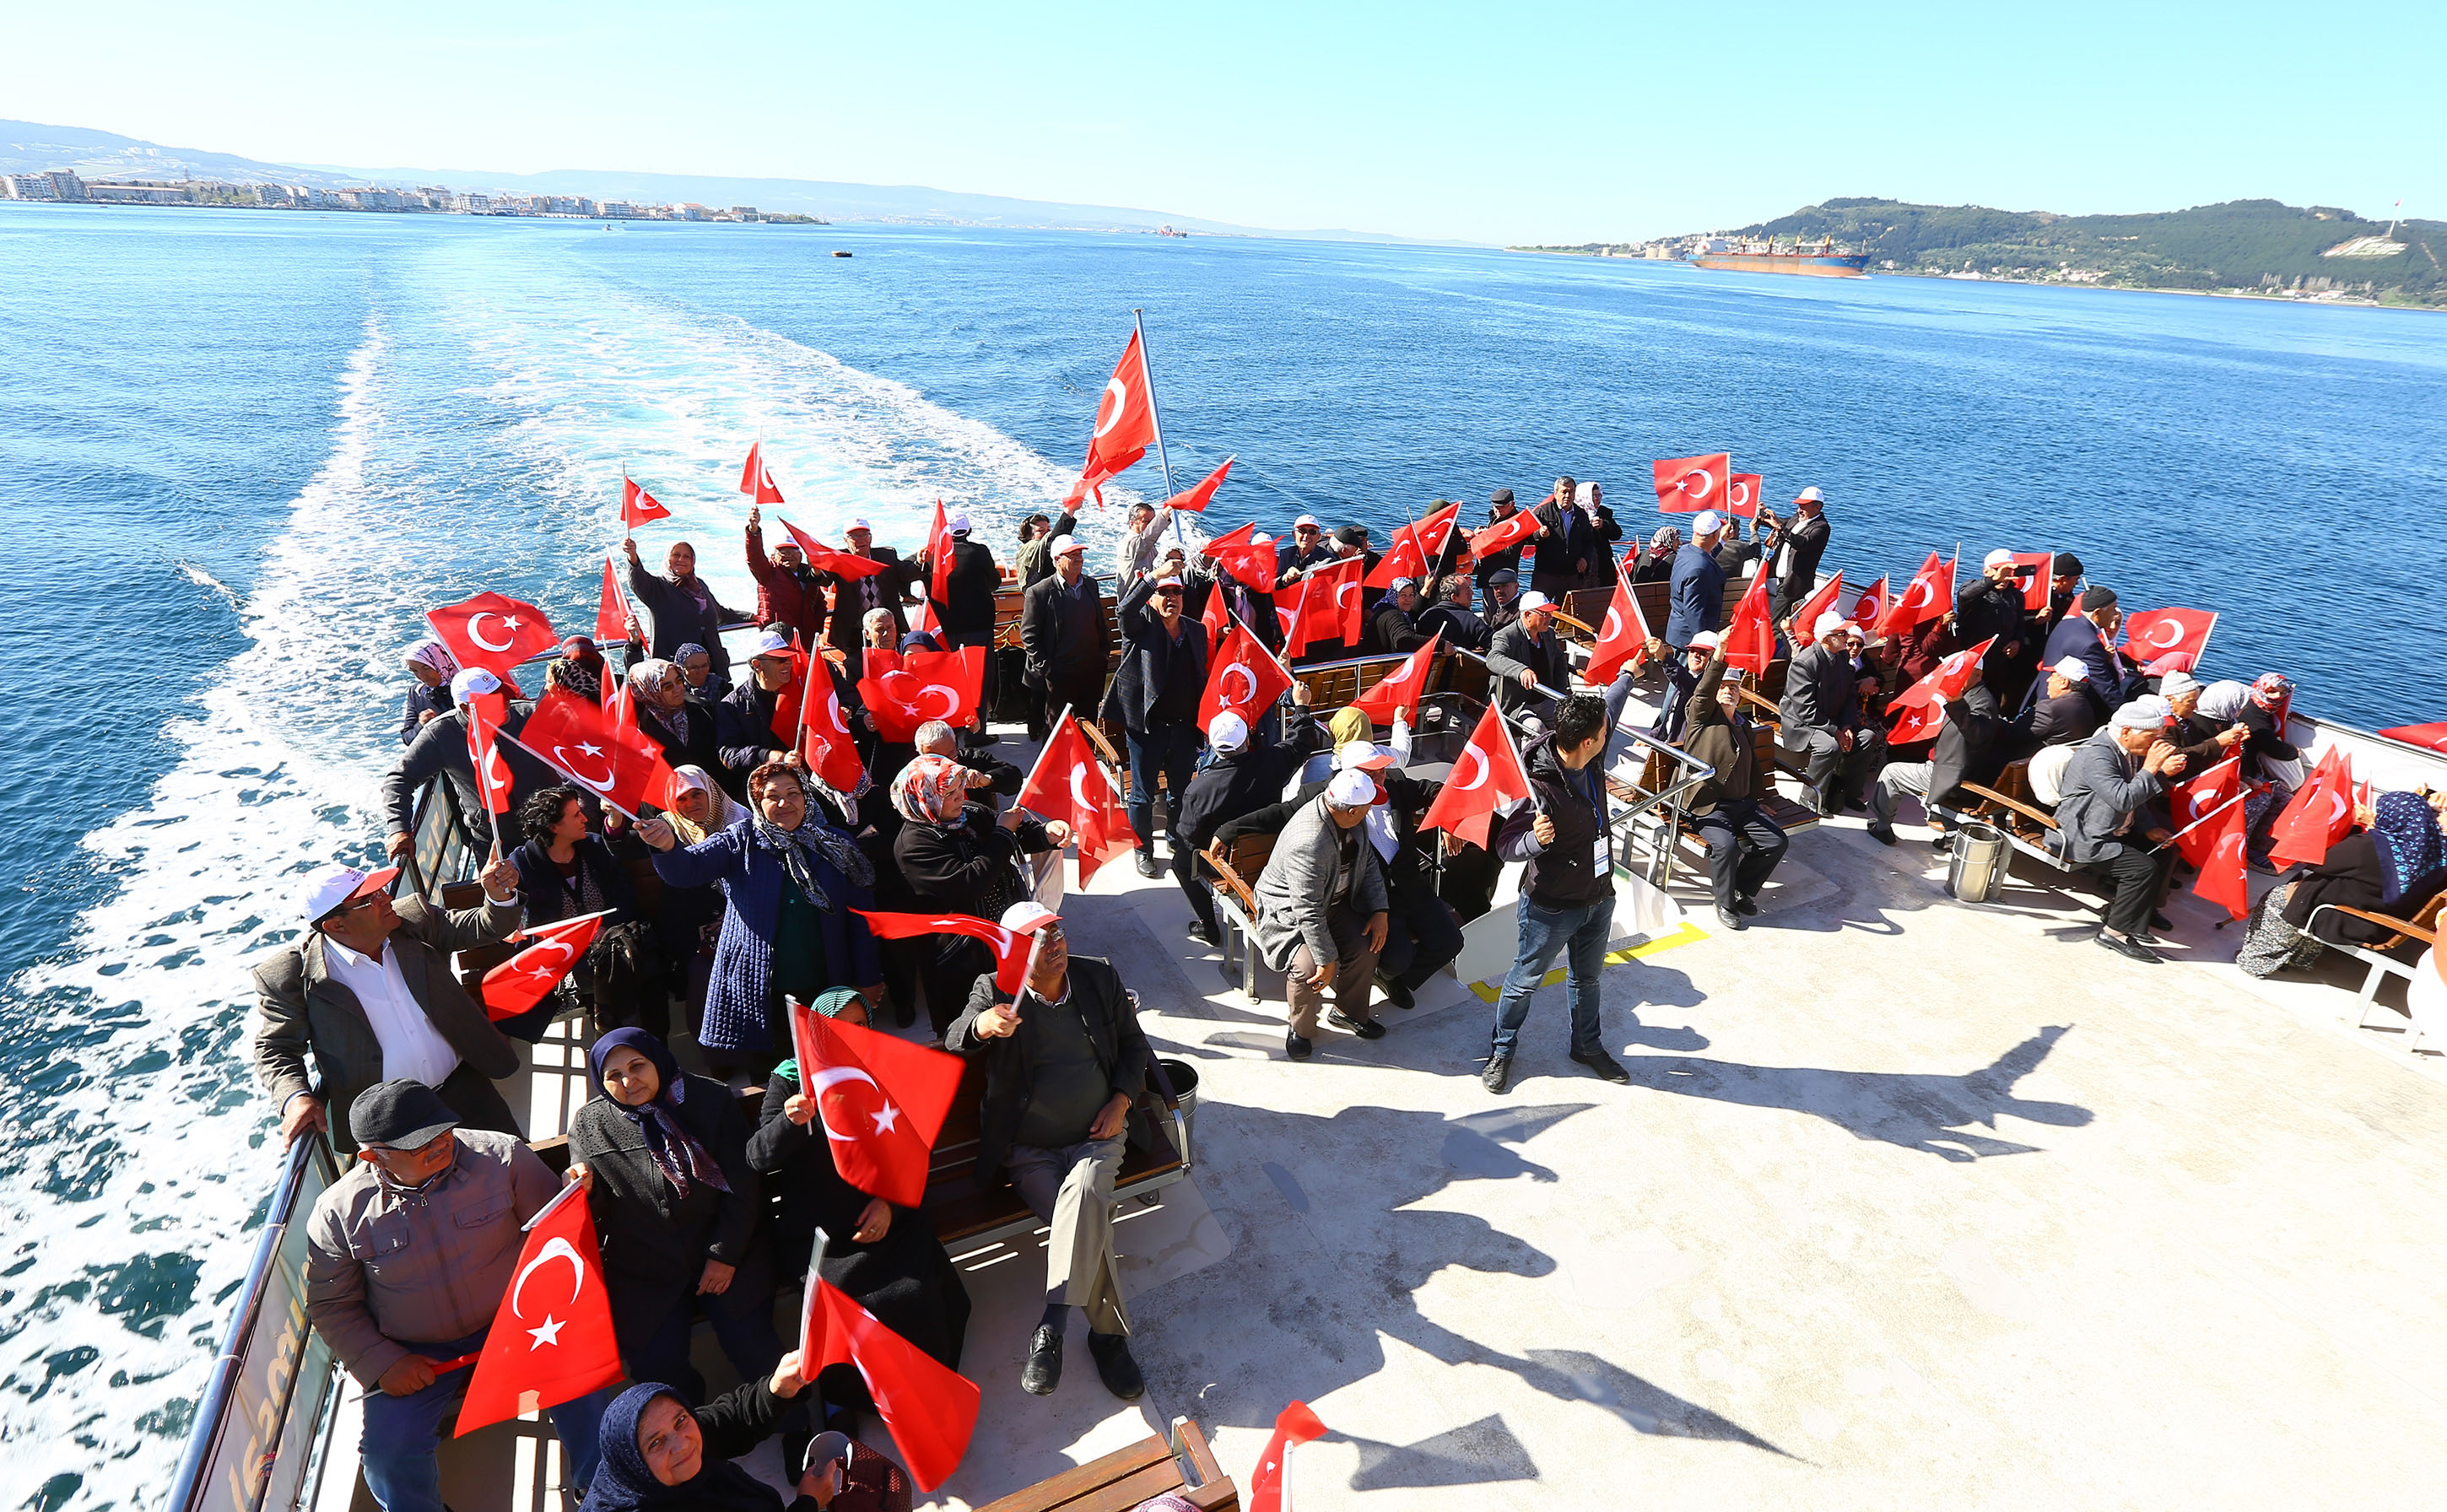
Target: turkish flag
<point>637,506</point>
<point>2195,797</point>
<point>2321,813</point>
<point>1871,607</point>
<point>551,1340</point>
<point>521,982</point>
<point>1743,491</point>
<point>1251,560</point>
<point>931,1408</point>
<point>880,1100</point>
<point>2223,880</point>
<point>610,611</point>
<point>1930,596</point>
<point>1011,949</point>
<point>614,761</point>
<point>1487,775</point>
<point>1069,783</point>
<point>492,632</point>
<point>1215,615</point>
<point>1622,640</point>
<point>1685,485</point>
<point>2036,586</point>
<point>1398,692</point>
<point>1196,500</point>
<point>485,711</point>
<point>1429,534</point>
<point>2429,737</point>
<point>1521,524</point>
<point>903,689</point>
<point>1805,616</point>
<point>2161,633</point>
<point>939,558</point>
<point>1125,425</point>
<point>1329,604</point>
<point>1293,1425</point>
<point>824,742</point>
<point>1749,640</point>
<point>1924,702</point>
<point>757,479</point>
<point>824,560</point>
<point>1245,678</point>
<point>1403,559</point>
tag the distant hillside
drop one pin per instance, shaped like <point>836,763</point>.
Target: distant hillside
<point>2245,246</point>
<point>26,146</point>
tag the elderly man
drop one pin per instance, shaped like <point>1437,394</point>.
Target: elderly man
<point>1681,680</point>
<point>1744,845</point>
<point>368,992</point>
<point>440,750</point>
<point>1241,776</point>
<point>408,1257</point>
<point>1321,912</point>
<point>1991,605</point>
<point>1421,934</point>
<point>1064,1061</point>
<point>745,729</point>
<point>1062,628</point>
<point>1502,600</point>
<point>1142,543</point>
<point>965,615</point>
<point>2109,788</point>
<point>1966,750</point>
<point>1567,893</point>
<point>788,592</point>
<point>1450,616</point>
<point>1697,592</point>
<point>1307,547</point>
<point>2089,635</point>
<point>1526,656</point>
<point>1396,624</point>
<point>682,725</point>
<point>2066,715</point>
<point>1793,573</point>
<point>1822,720</point>
<point>854,599</point>
<point>1500,507</point>
<point>1155,696</point>
<point>680,605</point>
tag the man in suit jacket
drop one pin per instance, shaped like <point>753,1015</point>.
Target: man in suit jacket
<point>1699,588</point>
<point>854,597</point>
<point>1322,912</point>
<point>1793,573</point>
<point>2088,633</point>
<point>1062,628</point>
<point>368,990</point>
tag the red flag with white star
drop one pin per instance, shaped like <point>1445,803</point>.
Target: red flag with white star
<point>1398,692</point>
<point>607,757</point>
<point>1244,677</point>
<point>1010,948</point>
<point>1125,424</point>
<point>1749,639</point>
<point>546,954</point>
<point>492,632</point>
<point>2223,880</point>
<point>1197,498</point>
<point>1685,485</point>
<point>930,1408</point>
<point>879,1101</point>
<point>551,1340</point>
<point>1293,1425</point>
<point>1069,783</point>
<point>1486,776</point>
<point>637,506</point>
<point>1622,640</point>
<point>1931,595</point>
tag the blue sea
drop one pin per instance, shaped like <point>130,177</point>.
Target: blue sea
<point>243,451</point>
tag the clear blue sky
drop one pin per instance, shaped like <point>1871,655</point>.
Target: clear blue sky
<point>1490,122</point>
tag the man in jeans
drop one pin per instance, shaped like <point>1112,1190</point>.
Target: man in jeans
<point>1568,896</point>
<point>407,1256</point>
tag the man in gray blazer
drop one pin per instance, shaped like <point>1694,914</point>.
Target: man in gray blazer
<point>2104,814</point>
<point>369,991</point>
<point>1821,718</point>
<point>1322,911</point>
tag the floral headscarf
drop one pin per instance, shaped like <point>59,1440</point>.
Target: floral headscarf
<point>814,841</point>
<point>931,791</point>
<point>431,653</point>
<point>1665,542</point>
<point>2412,849</point>
<point>2273,691</point>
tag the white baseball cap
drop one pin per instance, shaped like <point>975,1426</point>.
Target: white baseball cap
<point>1828,623</point>
<point>1350,790</point>
<point>1996,558</point>
<point>2073,669</point>
<point>1705,640</point>
<point>1028,916</point>
<point>328,889</point>
<point>1261,538</point>
<point>1065,545</point>
<point>475,680</point>
<point>1362,756</point>
<point>1811,496</point>
<point>957,521</point>
<point>1708,524</point>
<point>1307,523</point>
<point>769,643</point>
<point>860,523</point>
<point>1227,731</point>
<point>1532,601</point>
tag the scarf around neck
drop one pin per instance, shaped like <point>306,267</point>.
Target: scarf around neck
<point>677,1153</point>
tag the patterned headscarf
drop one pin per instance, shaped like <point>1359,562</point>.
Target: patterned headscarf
<point>677,1153</point>
<point>1665,542</point>
<point>2272,692</point>
<point>2412,848</point>
<point>722,811</point>
<point>931,791</point>
<point>431,653</point>
<point>802,849</point>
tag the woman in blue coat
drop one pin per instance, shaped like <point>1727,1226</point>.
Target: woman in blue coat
<point>789,883</point>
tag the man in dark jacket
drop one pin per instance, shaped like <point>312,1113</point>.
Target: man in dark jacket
<point>1449,616</point>
<point>1064,1061</point>
<point>1500,508</point>
<point>1821,715</point>
<point>1240,776</point>
<point>682,606</point>
<point>1963,753</point>
<point>2066,715</point>
<point>440,750</point>
<point>2088,633</point>
<point>1683,676</point>
<point>1744,846</point>
<point>1503,599</point>
<point>1062,627</point>
<point>788,592</point>
<point>743,725</point>
<point>855,598</point>
<point>1394,627</point>
<point>966,614</point>
<point>1792,571</point>
<point>1699,586</point>
<point>1567,895</point>
<point>1306,548</point>
<point>1524,656</point>
<point>1155,696</point>
<point>1992,606</point>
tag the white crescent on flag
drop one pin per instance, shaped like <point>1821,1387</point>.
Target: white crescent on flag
<point>1079,790</point>
<point>1922,594</point>
<point>1738,494</point>
<point>2174,635</point>
<point>477,635</point>
<point>1471,753</point>
<point>1699,482</point>
<point>951,700</point>
<point>569,765</point>
<point>1110,405</point>
<point>1613,623</point>
<point>555,1248</point>
<point>1223,690</point>
<point>825,1080</point>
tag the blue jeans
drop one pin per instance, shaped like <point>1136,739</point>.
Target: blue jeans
<point>401,1432</point>
<point>1579,935</point>
<point>1173,752</point>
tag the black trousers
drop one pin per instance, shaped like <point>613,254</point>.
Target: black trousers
<point>1744,846</point>
<point>1191,873</point>
<point>1081,691</point>
<point>2138,876</point>
<point>1421,937</point>
<point>947,973</point>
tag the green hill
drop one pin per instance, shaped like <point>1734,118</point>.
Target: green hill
<point>2245,246</point>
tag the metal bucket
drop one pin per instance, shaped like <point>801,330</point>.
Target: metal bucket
<point>1977,870</point>
<point>1184,1078</point>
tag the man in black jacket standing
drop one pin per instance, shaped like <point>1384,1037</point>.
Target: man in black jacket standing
<point>1155,696</point>
<point>1240,777</point>
<point>1500,507</point>
<point>1064,1061</point>
<point>1793,573</point>
<point>1567,894</point>
<point>1062,627</point>
<point>855,598</point>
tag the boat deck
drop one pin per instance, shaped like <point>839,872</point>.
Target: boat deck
<point>1910,1202</point>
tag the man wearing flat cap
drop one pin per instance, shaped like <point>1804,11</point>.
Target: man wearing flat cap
<point>368,992</point>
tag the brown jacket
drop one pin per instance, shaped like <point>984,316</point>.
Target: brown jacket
<point>299,1007</point>
<point>1721,742</point>
<point>386,1270</point>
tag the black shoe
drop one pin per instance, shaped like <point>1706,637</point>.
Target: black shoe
<point>2142,936</point>
<point>1295,1046</point>
<point>1729,918</point>
<point>1498,1074</point>
<point>1943,845</point>
<point>1747,907</point>
<point>1148,866</point>
<point>1043,1371</point>
<point>1364,1028</point>
<point>1605,1065</point>
<point>1120,1373</point>
<point>1396,994</point>
<point>2128,948</point>
<point>979,739</point>
<point>1204,936</point>
<point>905,1014</point>
<point>1883,834</point>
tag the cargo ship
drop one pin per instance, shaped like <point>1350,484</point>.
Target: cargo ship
<point>1822,261</point>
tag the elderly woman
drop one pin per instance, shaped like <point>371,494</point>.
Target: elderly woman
<point>431,664</point>
<point>663,1158</point>
<point>792,884</point>
<point>2394,866</point>
<point>681,725</point>
<point>1656,564</point>
<point>886,1258</point>
<point>577,669</point>
<point>659,1454</point>
<point>565,871</point>
<point>957,858</point>
<point>687,919</point>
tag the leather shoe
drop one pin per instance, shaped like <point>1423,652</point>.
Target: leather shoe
<point>1605,1065</point>
<point>1943,845</point>
<point>1148,866</point>
<point>1747,907</point>
<point>1043,1371</point>
<point>1396,993</point>
<point>1498,1074</point>
<point>1729,918</point>
<point>2129,948</point>
<point>1120,1373</point>
<point>1296,1045</point>
<point>1364,1028</point>
<point>1883,834</point>
<point>1203,935</point>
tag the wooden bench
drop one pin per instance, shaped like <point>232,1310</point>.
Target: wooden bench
<point>2011,806</point>
<point>1236,904</point>
<point>1125,1478</point>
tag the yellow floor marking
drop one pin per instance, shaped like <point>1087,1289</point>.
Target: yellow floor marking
<point>1689,934</point>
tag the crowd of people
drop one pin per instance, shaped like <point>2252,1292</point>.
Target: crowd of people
<point>747,893</point>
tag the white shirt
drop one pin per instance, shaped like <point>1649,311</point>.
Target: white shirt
<point>412,1046</point>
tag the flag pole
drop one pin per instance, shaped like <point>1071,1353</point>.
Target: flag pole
<point>1155,419</point>
<point>1514,746</point>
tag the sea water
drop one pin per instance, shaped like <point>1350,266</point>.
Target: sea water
<point>240,453</point>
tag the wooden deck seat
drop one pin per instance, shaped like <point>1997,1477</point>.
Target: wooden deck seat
<point>1236,904</point>
<point>1126,1476</point>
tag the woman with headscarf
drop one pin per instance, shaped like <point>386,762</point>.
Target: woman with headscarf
<point>664,1160</point>
<point>886,1258</point>
<point>661,1455</point>
<point>791,887</point>
<point>578,670</point>
<point>2394,866</point>
<point>687,918</point>
<point>957,858</point>
<point>1657,565</point>
<point>682,725</point>
<point>431,664</point>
